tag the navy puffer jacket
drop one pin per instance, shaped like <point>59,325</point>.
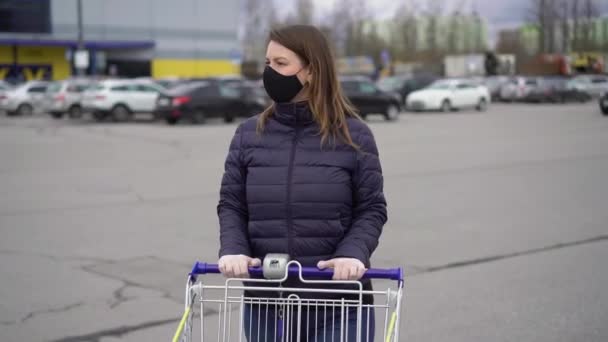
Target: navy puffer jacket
<point>282,192</point>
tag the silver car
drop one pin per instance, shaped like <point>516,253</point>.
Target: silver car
<point>594,85</point>
<point>25,99</point>
<point>65,97</point>
<point>518,88</point>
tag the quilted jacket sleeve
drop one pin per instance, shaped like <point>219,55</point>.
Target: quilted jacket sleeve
<point>369,206</point>
<point>232,208</point>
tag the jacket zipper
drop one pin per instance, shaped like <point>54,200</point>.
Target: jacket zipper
<point>288,202</point>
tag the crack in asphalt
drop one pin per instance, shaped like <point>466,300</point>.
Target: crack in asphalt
<point>124,330</point>
<point>493,258</point>
<point>118,296</point>
<point>33,314</point>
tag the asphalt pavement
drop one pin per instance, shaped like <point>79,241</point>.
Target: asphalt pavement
<point>499,218</point>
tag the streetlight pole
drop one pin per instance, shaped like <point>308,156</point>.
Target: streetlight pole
<point>80,46</point>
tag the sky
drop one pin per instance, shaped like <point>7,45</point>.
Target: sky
<point>499,14</point>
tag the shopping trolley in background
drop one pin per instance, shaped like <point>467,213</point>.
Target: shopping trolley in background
<point>289,314</point>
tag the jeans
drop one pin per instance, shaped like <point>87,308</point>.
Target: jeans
<point>262,323</point>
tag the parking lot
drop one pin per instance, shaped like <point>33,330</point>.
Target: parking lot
<point>499,219</point>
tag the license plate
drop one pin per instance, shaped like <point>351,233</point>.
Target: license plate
<point>163,102</point>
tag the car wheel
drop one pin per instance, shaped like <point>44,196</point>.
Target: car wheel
<point>198,117</point>
<point>57,115</point>
<point>482,105</point>
<point>25,109</point>
<point>75,112</point>
<point>446,106</point>
<point>171,121</point>
<point>392,113</point>
<point>121,113</point>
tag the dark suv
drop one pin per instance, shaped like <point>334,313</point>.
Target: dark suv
<point>196,101</point>
<point>369,99</point>
<point>406,84</point>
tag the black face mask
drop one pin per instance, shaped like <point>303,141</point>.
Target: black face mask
<point>281,88</point>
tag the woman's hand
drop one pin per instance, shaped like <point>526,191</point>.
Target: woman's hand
<point>344,268</point>
<point>237,266</point>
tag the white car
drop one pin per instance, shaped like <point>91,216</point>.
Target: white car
<point>65,97</point>
<point>120,99</point>
<point>25,99</point>
<point>450,94</point>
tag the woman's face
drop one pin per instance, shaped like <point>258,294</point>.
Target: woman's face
<point>286,62</point>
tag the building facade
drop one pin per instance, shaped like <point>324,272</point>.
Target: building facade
<point>155,38</point>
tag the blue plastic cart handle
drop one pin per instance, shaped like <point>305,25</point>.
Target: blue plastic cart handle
<point>307,272</point>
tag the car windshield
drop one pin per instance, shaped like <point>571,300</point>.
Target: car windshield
<point>96,87</point>
<point>186,88</point>
<point>54,87</point>
<point>440,85</point>
<point>390,83</point>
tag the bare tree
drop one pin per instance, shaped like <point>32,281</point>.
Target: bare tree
<point>480,42</point>
<point>590,14</point>
<point>564,17</point>
<point>305,12</point>
<point>404,37</point>
<point>455,34</point>
<point>576,25</point>
<point>543,13</point>
<point>254,28</point>
<point>434,10</point>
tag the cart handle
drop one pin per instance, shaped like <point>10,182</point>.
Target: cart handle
<point>294,271</point>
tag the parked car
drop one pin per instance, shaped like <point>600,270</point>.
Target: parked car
<point>4,88</point>
<point>197,101</point>
<point>369,99</point>
<point>120,99</point>
<point>518,88</point>
<point>405,84</point>
<point>494,84</point>
<point>592,84</point>
<point>450,94</point>
<point>556,89</point>
<point>65,97</point>
<point>170,82</point>
<point>25,99</point>
<point>604,103</point>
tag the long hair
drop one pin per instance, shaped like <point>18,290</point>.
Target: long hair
<point>329,107</point>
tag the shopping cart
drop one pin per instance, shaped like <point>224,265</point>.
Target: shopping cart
<point>314,313</point>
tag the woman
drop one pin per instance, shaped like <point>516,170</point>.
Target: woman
<point>302,178</point>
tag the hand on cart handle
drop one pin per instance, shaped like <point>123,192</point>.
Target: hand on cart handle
<point>344,268</point>
<point>242,266</point>
<point>237,266</point>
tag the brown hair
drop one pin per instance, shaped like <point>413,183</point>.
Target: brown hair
<point>329,107</point>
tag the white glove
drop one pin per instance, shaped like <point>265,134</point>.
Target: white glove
<point>237,266</point>
<point>344,268</point>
